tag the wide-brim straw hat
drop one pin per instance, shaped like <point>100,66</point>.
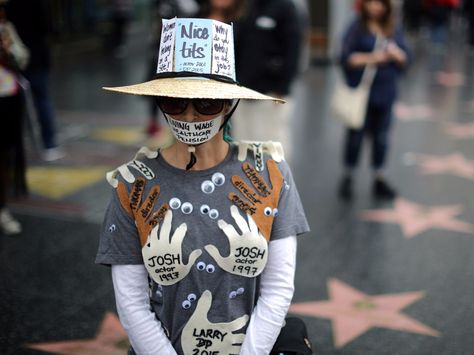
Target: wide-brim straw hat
<point>192,88</point>
<point>185,82</point>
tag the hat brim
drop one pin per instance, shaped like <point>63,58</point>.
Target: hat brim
<point>192,88</point>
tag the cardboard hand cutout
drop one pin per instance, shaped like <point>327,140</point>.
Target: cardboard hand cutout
<point>163,256</point>
<point>215,338</point>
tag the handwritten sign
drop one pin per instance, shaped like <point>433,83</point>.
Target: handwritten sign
<point>193,45</point>
<point>200,46</point>
<point>166,54</point>
<point>222,49</point>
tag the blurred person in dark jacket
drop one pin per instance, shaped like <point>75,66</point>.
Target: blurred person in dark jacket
<point>413,13</point>
<point>33,25</point>
<point>358,50</point>
<point>469,12</point>
<point>268,52</point>
<point>228,11</point>
<point>13,57</point>
<point>439,15</point>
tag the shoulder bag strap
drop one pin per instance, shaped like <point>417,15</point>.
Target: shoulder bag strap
<point>371,69</point>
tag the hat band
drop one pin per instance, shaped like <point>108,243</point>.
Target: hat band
<point>187,74</point>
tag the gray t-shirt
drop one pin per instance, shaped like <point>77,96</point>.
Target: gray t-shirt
<point>215,267</point>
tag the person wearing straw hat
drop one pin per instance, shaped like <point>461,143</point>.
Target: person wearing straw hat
<point>201,235</point>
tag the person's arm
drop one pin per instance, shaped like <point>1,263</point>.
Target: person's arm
<point>133,306</point>
<point>361,59</point>
<point>276,292</point>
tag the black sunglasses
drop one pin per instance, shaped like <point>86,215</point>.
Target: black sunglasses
<point>176,106</point>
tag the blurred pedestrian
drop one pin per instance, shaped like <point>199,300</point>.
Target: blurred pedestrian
<point>228,11</point>
<point>13,57</point>
<point>34,27</point>
<point>469,12</point>
<point>268,51</point>
<point>375,20</point>
<point>439,14</point>
<point>413,14</point>
<point>121,14</point>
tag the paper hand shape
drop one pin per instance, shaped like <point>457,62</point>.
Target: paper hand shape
<point>200,336</point>
<point>124,170</point>
<point>248,251</point>
<point>260,202</point>
<point>163,256</point>
<point>275,149</point>
<point>140,211</point>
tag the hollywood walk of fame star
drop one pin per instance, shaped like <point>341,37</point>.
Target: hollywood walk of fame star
<point>406,112</point>
<point>353,312</point>
<point>454,164</point>
<point>111,339</point>
<point>460,131</point>
<point>450,79</point>
<point>415,219</point>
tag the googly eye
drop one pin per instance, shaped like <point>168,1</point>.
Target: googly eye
<point>275,212</point>
<point>175,203</point>
<point>218,179</point>
<point>232,294</point>
<point>240,290</point>
<point>205,209</point>
<point>112,228</point>
<point>201,265</point>
<point>186,304</point>
<point>187,208</point>
<point>192,297</point>
<point>268,211</point>
<point>210,268</point>
<point>208,187</point>
<point>213,213</point>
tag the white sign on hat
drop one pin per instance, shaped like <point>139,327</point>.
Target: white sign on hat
<point>199,46</point>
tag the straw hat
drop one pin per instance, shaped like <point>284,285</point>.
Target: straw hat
<point>196,60</point>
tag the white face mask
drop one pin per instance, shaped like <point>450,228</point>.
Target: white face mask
<point>195,132</point>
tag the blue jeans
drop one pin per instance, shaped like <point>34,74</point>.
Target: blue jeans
<point>376,125</point>
<point>39,87</point>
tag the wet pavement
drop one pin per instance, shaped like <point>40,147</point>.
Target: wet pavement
<point>372,277</point>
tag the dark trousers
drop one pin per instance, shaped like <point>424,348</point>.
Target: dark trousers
<point>39,88</point>
<point>12,155</point>
<point>376,126</point>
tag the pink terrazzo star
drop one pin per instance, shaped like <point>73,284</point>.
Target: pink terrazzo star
<point>406,112</point>
<point>353,312</point>
<point>453,164</point>
<point>460,131</point>
<point>110,340</point>
<point>415,219</point>
<point>450,79</point>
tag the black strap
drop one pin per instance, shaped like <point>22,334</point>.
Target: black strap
<point>192,161</point>
<point>229,115</point>
<point>187,74</point>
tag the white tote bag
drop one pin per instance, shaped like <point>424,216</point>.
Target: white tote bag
<point>349,104</point>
